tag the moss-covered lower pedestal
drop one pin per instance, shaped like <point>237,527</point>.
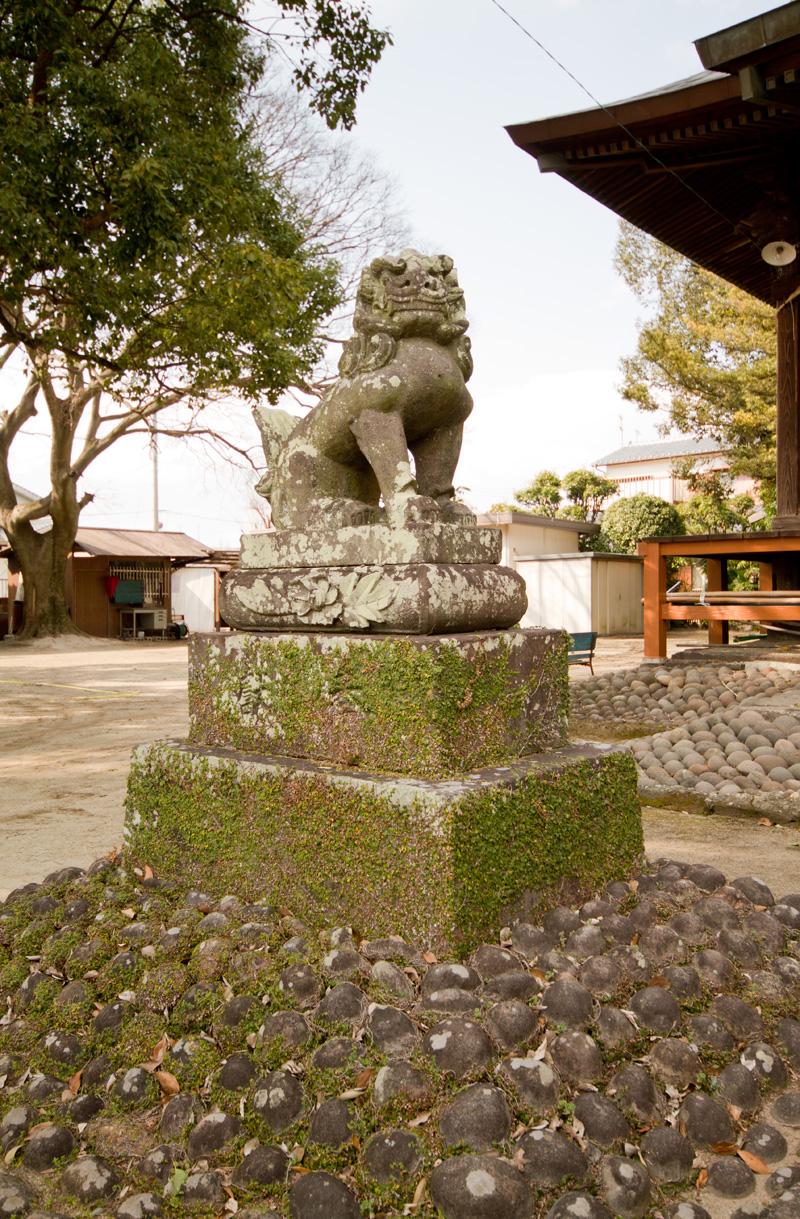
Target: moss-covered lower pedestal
<point>428,706</point>
<point>437,861</point>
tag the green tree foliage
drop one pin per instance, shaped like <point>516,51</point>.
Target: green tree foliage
<point>707,513</point>
<point>542,496</point>
<point>587,491</point>
<point>705,354</point>
<point>714,509</point>
<point>147,255</point>
<point>627,521</point>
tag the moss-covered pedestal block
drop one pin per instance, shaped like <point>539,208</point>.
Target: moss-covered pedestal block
<point>431,706</point>
<point>438,862</point>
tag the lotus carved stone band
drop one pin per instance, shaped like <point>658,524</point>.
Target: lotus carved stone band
<point>369,534</point>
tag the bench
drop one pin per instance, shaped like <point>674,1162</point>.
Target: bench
<point>581,649</point>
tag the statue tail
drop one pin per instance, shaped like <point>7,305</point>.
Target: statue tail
<point>275,426</point>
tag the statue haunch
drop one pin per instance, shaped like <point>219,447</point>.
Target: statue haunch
<point>402,387</point>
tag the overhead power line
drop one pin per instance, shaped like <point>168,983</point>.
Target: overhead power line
<point>607,110</point>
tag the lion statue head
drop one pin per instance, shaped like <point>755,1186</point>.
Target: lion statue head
<point>412,295</point>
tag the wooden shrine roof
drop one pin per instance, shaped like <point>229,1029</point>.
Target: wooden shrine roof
<point>732,138</point>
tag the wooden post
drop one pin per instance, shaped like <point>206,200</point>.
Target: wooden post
<point>788,417</point>
<point>655,593</point>
<point>716,581</point>
<point>13,585</point>
<point>766,578</point>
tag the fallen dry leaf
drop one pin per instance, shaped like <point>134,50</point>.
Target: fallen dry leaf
<point>754,1162</point>
<point>724,1149</point>
<point>702,1178</point>
<point>362,1079</point>
<point>764,821</point>
<point>420,1119</point>
<point>351,1093</point>
<point>419,1192</point>
<point>74,1082</point>
<point>167,1083</point>
<point>148,872</point>
<point>157,1054</point>
<point>430,957</point>
<point>38,1126</point>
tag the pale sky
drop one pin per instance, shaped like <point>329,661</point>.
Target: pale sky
<point>549,319</point>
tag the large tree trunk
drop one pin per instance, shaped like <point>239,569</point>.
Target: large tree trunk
<point>42,559</point>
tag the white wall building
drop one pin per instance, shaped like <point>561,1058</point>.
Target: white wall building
<point>650,468</point>
<point>570,589</point>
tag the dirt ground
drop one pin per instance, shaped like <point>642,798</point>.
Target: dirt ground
<point>71,710</point>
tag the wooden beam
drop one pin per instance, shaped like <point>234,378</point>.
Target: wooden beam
<point>655,590</point>
<point>736,613</point>
<point>717,577</point>
<point>766,577</point>
<point>788,416</point>
<point>734,545</point>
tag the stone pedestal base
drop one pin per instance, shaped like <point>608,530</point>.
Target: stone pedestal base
<point>428,706</point>
<point>412,598</point>
<point>440,863</point>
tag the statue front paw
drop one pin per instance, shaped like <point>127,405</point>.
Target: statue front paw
<point>405,509</point>
<point>341,513</point>
<point>456,514</point>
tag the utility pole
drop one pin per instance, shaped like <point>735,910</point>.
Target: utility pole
<point>154,458</point>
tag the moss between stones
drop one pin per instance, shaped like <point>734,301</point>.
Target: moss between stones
<point>345,853</point>
<point>430,709</point>
<point>581,822</point>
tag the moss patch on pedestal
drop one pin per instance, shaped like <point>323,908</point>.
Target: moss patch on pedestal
<point>436,862</point>
<point>429,707</point>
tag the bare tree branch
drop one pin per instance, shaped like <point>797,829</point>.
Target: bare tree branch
<point>94,447</point>
<point>12,421</point>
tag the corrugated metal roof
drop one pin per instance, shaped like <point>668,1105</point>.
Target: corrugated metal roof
<point>24,496</point>
<point>514,517</point>
<point>140,544</point>
<point>663,448</point>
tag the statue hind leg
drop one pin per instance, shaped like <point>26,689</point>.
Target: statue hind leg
<point>381,438</point>
<point>435,460</point>
<point>312,491</point>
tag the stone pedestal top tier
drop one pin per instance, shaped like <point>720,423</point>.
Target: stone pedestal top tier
<point>356,545</point>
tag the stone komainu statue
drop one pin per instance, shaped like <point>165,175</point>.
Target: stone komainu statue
<point>402,387</point>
